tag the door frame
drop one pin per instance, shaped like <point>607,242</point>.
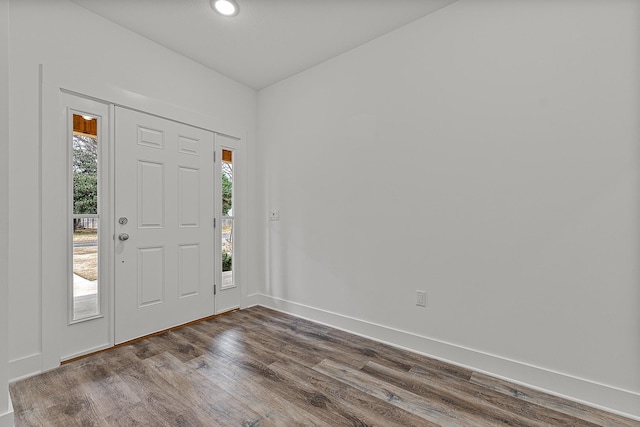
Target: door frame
<point>54,81</point>
<point>98,329</point>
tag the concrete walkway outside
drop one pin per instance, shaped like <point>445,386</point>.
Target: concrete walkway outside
<point>82,286</point>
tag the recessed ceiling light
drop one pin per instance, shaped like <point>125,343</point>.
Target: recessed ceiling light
<point>225,7</point>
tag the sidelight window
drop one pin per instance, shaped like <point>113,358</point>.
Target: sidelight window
<point>227,219</point>
<point>85,218</point>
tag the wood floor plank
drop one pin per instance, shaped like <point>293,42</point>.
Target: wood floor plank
<point>138,414</point>
<point>103,364</point>
<point>465,398</point>
<point>158,395</point>
<point>199,394</point>
<point>110,393</point>
<point>242,386</point>
<point>574,409</point>
<point>532,412</point>
<point>37,392</point>
<point>238,342</point>
<point>367,408</point>
<point>177,345</point>
<point>145,348</point>
<point>366,349</point>
<point>173,397</point>
<point>299,339</point>
<point>306,353</point>
<point>259,367</point>
<point>435,411</point>
<point>299,396</point>
<point>76,411</point>
<point>32,417</point>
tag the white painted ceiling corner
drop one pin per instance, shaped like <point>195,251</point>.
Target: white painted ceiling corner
<point>269,40</point>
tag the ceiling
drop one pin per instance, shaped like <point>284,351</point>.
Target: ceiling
<point>269,40</point>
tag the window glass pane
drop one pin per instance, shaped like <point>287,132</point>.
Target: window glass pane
<point>85,174</point>
<point>85,268</point>
<point>227,218</point>
<point>85,217</point>
<point>227,183</point>
<point>227,252</point>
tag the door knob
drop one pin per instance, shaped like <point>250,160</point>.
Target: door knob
<point>123,237</point>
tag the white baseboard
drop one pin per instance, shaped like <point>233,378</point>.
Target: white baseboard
<point>252,300</point>
<point>24,367</point>
<point>622,402</point>
<point>6,419</point>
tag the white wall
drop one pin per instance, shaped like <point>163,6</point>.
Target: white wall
<point>487,154</point>
<point>61,33</point>
<point>6,417</point>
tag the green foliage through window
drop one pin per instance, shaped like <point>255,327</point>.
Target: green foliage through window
<point>227,193</point>
<point>227,263</point>
<point>85,175</point>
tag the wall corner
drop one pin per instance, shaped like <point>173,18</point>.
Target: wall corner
<point>6,410</point>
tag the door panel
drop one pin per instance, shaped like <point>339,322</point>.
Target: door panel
<point>164,188</point>
<point>150,193</point>
<point>188,270</point>
<point>150,280</point>
<point>189,197</point>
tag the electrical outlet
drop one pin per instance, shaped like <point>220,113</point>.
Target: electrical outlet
<point>274,215</point>
<point>421,298</point>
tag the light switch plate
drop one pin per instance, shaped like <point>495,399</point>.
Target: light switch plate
<point>421,298</point>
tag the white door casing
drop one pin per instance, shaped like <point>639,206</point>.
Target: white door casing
<point>164,187</point>
<point>92,334</point>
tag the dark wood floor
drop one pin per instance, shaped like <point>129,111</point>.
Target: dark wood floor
<point>258,367</point>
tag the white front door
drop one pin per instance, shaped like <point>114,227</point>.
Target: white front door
<point>164,231</point>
